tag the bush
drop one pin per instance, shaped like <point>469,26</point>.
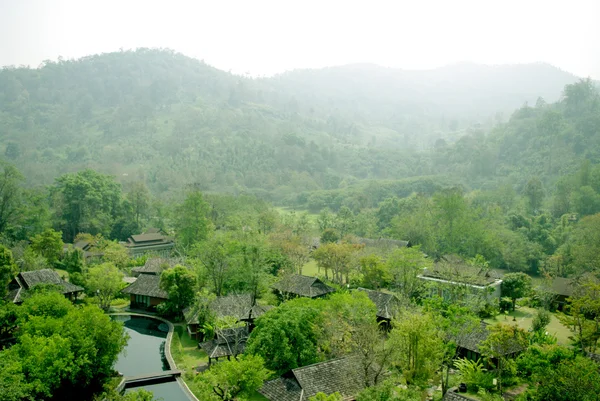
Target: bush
<point>474,375</point>
<point>505,304</point>
<point>541,320</point>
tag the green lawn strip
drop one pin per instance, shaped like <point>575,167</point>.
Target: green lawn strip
<point>187,356</point>
<point>524,317</point>
<point>310,268</point>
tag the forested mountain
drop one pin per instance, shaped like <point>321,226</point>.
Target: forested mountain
<point>169,120</point>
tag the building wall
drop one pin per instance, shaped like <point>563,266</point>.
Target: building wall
<point>156,301</point>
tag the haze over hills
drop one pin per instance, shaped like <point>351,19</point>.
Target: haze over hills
<point>170,120</point>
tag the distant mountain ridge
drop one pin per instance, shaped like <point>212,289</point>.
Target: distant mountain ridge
<point>170,120</point>
<point>459,90</point>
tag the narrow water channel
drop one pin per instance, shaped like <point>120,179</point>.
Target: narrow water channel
<point>144,354</point>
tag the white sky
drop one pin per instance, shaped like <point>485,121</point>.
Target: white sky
<point>264,37</point>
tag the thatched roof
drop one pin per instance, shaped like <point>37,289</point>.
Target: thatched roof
<point>563,286</point>
<point>303,286</point>
<point>475,336</point>
<point>27,280</point>
<point>453,269</point>
<point>387,304</point>
<point>227,342</point>
<point>343,375</point>
<point>239,306</point>
<point>148,285</point>
<point>155,265</point>
<point>385,243</point>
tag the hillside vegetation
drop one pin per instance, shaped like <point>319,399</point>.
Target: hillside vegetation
<point>168,120</point>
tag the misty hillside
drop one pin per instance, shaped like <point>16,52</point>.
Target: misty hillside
<point>457,91</point>
<point>170,120</point>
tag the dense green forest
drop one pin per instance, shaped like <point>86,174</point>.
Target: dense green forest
<point>168,120</point>
<point>493,170</point>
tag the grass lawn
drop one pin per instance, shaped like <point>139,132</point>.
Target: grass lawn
<point>524,316</point>
<point>185,350</point>
<point>310,268</point>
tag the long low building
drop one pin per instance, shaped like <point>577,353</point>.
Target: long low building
<point>25,281</point>
<point>145,292</point>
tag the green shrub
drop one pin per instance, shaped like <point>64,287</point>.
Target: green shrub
<point>474,374</point>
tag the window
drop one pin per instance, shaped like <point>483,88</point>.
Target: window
<point>142,299</point>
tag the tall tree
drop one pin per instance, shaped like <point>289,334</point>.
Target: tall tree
<point>8,269</point>
<point>534,192</point>
<point>10,194</point>
<point>503,341</point>
<point>404,266</point>
<point>181,284</point>
<point>335,257</point>
<point>515,286</point>
<point>104,281</point>
<point>48,244</point>
<point>233,380</point>
<point>217,256</point>
<point>286,337</point>
<point>139,198</point>
<point>86,201</point>
<point>191,222</point>
<point>419,345</point>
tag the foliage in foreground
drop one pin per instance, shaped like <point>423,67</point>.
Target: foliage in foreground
<point>62,351</point>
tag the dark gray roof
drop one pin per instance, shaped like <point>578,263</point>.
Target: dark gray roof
<point>303,286</point>
<point>143,241</point>
<point>343,375</point>
<point>387,304</point>
<point>148,285</point>
<point>27,280</point>
<point>155,265</point>
<point>227,342</point>
<point>452,269</point>
<point>562,286</point>
<point>383,242</point>
<point>477,335</point>
<point>237,305</point>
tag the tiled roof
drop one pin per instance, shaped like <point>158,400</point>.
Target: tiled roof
<point>476,336</point>
<point>303,286</point>
<point>383,242</point>
<point>236,305</point>
<point>27,280</point>
<point>148,285</point>
<point>387,304</point>
<point>562,286</point>
<point>343,375</point>
<point>227,342</point>
<point>155,265</point>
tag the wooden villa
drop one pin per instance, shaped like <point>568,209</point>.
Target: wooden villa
<point>155,266</point>
<point>227,343</point>
<point>296,285</point>
<point>469,341</point>
<point>145,292</point>
<point>454,280</point>
<point>25,281</point>
<point>240,306</point>
<point>562,288</point>
<point>154,243</point>
<point>344,375</point>
<point>388,305</point>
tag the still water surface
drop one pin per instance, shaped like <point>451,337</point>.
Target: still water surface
<point>144,354</point>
